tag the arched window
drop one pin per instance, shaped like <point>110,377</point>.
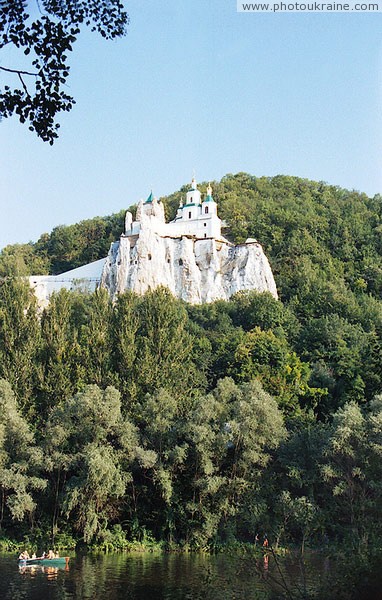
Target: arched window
<point>189,214</point>
<point>206,210</point>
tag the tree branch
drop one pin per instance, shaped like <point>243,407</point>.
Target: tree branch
<point>18,72</point>
<point>24,86</point>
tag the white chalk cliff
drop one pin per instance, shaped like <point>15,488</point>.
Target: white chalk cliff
<point>189,256</point>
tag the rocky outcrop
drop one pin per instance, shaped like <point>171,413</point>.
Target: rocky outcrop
<point>189,256</point>
<point>195,270</point>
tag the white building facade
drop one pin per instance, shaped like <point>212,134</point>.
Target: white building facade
<point>195,217</point>
<point>188,255</point>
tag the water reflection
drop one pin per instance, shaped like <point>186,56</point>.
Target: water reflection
<point>265,564</point>
<point>147,576</point>
<point>49,571</point>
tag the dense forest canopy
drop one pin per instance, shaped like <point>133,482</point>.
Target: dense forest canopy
<point>198,425</point>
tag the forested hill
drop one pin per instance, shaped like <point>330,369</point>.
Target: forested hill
<point>201,424</point>
<point>324,244</point>
<point>321,240</point>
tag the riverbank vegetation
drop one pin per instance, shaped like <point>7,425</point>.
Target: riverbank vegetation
<point>153,422</point>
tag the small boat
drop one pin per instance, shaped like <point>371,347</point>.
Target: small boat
<point>46,562</point>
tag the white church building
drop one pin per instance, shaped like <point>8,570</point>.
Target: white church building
<point>195,217</point>
<point>188,255</point>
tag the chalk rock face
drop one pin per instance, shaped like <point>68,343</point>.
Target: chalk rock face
<point>195,270</point>
<point>189,256</point>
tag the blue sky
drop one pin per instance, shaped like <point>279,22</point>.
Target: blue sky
<point>197,86</point>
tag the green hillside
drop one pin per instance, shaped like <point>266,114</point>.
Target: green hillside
<point>324,244</point>
<point>207,423</point>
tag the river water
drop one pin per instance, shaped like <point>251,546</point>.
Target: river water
<point>154,576</point>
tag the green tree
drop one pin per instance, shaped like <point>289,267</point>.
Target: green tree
<point>336,348</point>
<point>20,461</point>
<point>251,309</point>
<point>214,329</point>
<point>267,357</point>
<point>204,487</point>
<point>165,356</point>
<point>19,339</point>
<point>299,515</point>
<point>125,325</point>
<point>255,428</point>
<point>60,359</point>
<point>90,448</point>
<point>231,434</point>
<point>70,246</point>
<point>95,340</point>
<point>161,422</point>
<point>300,458</point>
<point>19,260</point>
<point>352,470</point>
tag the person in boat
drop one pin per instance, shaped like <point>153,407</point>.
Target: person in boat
<point>34,555</point>
<point>51,554</point>
<point>57,555</point>
<point>24,555</point>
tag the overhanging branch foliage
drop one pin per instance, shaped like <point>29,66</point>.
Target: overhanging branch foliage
<point>47,40</point>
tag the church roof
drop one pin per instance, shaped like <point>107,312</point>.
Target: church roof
<point>190,204</point>
<point>194,185</point>
<point>149,199</point>
<point>209,197</point>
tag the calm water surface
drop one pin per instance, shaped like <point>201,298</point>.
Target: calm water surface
<point>153,576</point>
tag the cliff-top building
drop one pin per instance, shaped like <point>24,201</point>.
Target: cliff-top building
<point>188,255</point>
<point>195,217</point>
